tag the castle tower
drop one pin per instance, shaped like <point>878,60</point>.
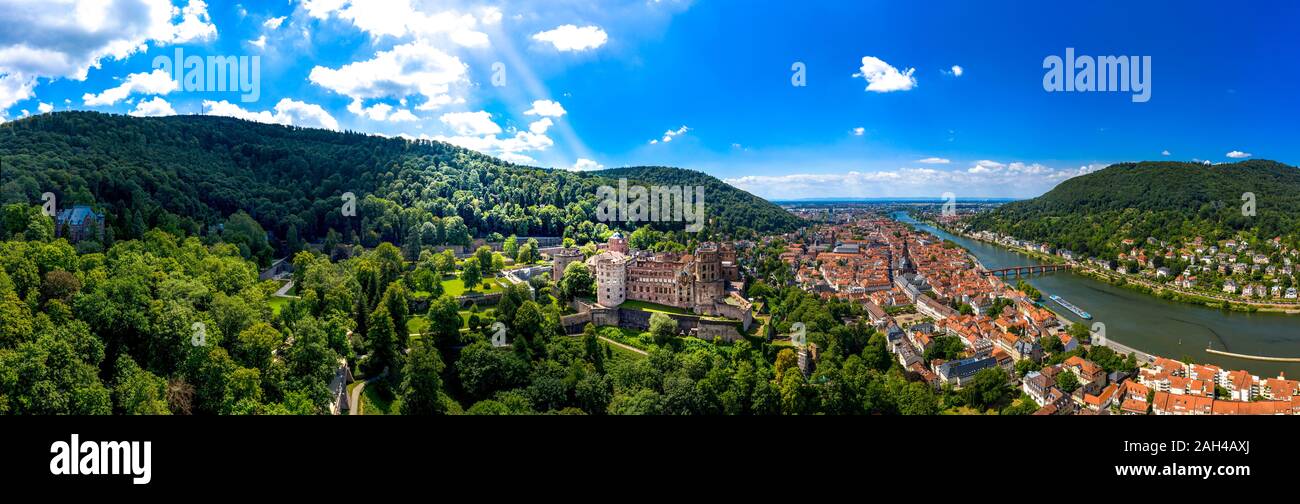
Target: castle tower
<point>610,269</point>
<point>617,243</point>
<point>561,260</point>
<point>708,265</point>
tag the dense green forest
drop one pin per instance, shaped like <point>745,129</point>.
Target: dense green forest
<point>1169,201</point>
<point>198,175</point>
<point>166,314</point>
<point>722,202</point>
<point>171,325</point>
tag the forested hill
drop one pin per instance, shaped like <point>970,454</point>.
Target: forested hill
<point>189,173</point>
<point>1165,200</point>
<point>721,200</point>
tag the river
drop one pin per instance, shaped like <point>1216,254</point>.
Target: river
<point>1152,325</point>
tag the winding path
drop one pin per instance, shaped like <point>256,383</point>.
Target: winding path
<point>355,396</point>
<point>625,347</point>
<point>284,290</point>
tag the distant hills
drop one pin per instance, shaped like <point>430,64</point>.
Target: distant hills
<point>884,200</point>
<point>1165,200</point>
<point>190,173</point>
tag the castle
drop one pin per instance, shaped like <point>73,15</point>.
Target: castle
<point>696,282</point>
<point>79,223</point>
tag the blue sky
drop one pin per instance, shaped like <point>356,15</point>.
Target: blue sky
<point>705,85</point>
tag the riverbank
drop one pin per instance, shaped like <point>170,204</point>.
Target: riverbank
<point>1141,285</point>
<point>1155,325</point>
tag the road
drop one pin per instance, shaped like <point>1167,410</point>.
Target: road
<point>283,292</point>
<point>354,399</point>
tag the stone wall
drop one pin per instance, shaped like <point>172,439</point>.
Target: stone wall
<point>418,305</point>
<point>479,299</point>
<point>709,330</point>
<point>575,323</point>
<point>639,320</point>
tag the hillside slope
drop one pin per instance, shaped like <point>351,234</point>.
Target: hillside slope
<point>722,201</point>
<point>1165,200</point>
<point>188,173</point>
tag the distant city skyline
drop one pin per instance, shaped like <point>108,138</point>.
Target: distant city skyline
<point>898,101</point>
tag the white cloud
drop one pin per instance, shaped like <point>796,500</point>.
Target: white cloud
<point>490,15</point>
<point>883,78</point>
<point>414,69</point>
<point>287,112</point>
<point>1164,153</point>
<point>510,148</point>
<point>1017,179</point>
<point>15,88</point>
<point>471,123</point>
<point>934,160</point>
<point>1059,175</point>
<point>377,112</point>
<point>572,38</point>
<point>477,131</point>
<point>1238,154</point>
<point>321,9</point>
<point>540,126</point>
<point>403,115</point>
<point>381,112</point>
<point>156,107</point>
<point>157,82</point>
<point>66,38</point>
<point>859,131</point>
<point>517,158</point>
<point>986,166</point>
<point>671,134</point>
<point>400,19</point>
<point>957,70</point>
<point>45,108</point>
<point>259,42</point>
<point>546,108</point>
<point>195,24</point>
<point>584,164</point>
<point>274,23</point>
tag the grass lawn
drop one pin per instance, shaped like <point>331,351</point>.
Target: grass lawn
<point>373,402</point>
<point>966,410</point>
<point>417,325</point>
<point>464,315</point>
<point>620,354</point>
<point>277,303</point>
<point>629,337</point>
<point>654,307</point>
<point>455,287</point>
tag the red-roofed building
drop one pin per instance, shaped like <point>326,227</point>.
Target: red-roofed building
<point>1279,389</point>
<point>1103,400</point>
<point>1172,404</point>
<point>1252,408</point>
<point>1240,385</point>
<point>1087,371</point>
